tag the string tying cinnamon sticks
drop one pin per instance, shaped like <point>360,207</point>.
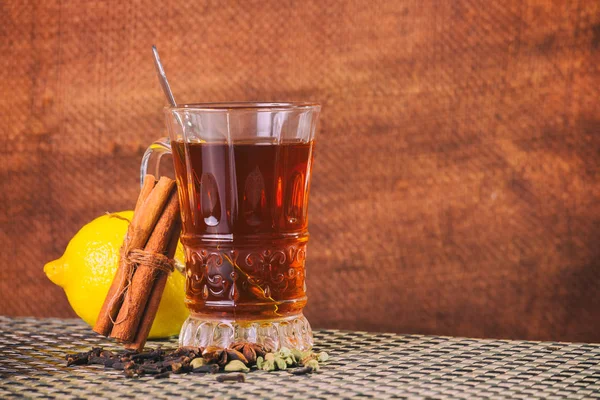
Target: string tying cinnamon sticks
<point>151,260</point>
<point>145,264</point>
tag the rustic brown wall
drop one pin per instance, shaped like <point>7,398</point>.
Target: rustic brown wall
<point>457,177</point>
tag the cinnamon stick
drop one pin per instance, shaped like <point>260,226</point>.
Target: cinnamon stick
<point>142,224</point>
<point>104,323</point>
<point>142,283</point>
<point>144,221</point>
<point>149,183</point>
<point>158,288</point>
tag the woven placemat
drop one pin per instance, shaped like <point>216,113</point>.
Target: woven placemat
<point>362,365</point>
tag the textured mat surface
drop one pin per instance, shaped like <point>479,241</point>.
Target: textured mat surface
<point>361,365</point>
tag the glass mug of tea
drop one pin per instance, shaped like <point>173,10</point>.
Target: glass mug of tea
<point>243,174</point>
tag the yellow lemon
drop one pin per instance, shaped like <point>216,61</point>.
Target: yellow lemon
<point>86,270</point>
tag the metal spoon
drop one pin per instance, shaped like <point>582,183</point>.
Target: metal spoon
<point>164,83</point>
<point>162,78</point>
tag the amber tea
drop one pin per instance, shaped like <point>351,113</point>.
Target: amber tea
<point>244,208</point>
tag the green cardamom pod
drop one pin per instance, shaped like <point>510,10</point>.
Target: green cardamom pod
<point>259,362</point>
<point>197,362</point>
<point>307,356</point>
<point>281,364</point>
<point>285,352</point>
<point>322,356</point>
<point>236,366</point>
<point>290,361</point>
<point>268,365</point>
<point>314,364</point>
<point>269,357</point>
<point>297,355</point>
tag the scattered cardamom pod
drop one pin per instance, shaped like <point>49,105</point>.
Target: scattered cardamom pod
<point>322,357</point>
<point>297,355</point>
<point>280,362</point>
<point>268,365</point>
<point>236,366</point>
<point>285,352</point>
<point>269,357</point>
<point>308,356</point>
<point>314,364</point>
<point>197,362</point>
<point>259,362</point>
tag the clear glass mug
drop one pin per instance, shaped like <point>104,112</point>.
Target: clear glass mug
<point>243,174</point>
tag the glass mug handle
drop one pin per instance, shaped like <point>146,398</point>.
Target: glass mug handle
<point>152,157</point>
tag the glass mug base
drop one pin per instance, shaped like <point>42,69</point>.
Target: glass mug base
<point>293,332</point>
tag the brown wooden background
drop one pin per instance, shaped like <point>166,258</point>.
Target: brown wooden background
<point>457,178</point>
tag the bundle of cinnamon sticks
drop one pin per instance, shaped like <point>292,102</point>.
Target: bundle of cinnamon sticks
<point>146,259</point>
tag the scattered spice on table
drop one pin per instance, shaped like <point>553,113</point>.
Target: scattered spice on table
<point>239,358</point>
<point>231,378</point>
